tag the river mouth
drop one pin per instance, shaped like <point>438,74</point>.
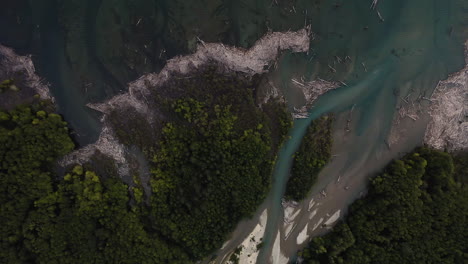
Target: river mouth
<point>418,44</point>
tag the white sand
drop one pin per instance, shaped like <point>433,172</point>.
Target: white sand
<point>290,214</point>
<point>288,228</point>
<point>312,214</point>
<point>295,214</point>
<point>311,204</point>
<point>288,211</point>
<point>249,252</point>
<point>276,256</point>
<point>317,224</point>
<point>333,218</point>
<point>302,237</point>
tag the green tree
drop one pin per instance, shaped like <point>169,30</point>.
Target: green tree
<point>30,141</point>
<point>312,155</point>
<point>415,212</point>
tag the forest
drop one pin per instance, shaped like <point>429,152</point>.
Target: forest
<point>79,217</point>
<point>415,212</point>
<point>211,155</point>
<point>211,160</point>
<point>312,155</point>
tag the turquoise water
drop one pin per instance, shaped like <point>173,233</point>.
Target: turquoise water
<point>89,50</point>
<point>416,46</point>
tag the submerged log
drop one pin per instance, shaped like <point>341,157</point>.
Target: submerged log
<point>380,17</point>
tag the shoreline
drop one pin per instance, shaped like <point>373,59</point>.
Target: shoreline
<point>12,64</point>
<point>448,126</point>
<point>252,61</point>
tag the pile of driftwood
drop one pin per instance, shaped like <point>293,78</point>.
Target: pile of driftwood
<point>311,90</point>
<point>448,128</point>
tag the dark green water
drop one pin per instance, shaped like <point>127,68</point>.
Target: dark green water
<point>89,50</point>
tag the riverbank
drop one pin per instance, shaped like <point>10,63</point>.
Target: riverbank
<point>415,198</point>
<point>228,59</point>
<point>21,70</point>
<point>448,128</point>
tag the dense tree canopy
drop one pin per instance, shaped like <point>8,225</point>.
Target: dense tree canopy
<point>210,164</point>
<point>30,141</point>
<point>87,220</point>
<point>312,155</point>
<point>415,212</point>
<point>211,156</point>
<point>209,171</point>
<point>80,219</point>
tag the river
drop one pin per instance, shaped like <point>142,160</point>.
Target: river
<point>403,57</point>
<point>89,50</point>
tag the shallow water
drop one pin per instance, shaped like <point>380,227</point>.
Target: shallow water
<point>407,54</point>
<point>89,50</point>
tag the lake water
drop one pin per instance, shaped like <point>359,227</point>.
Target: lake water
<point>89,50</point>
